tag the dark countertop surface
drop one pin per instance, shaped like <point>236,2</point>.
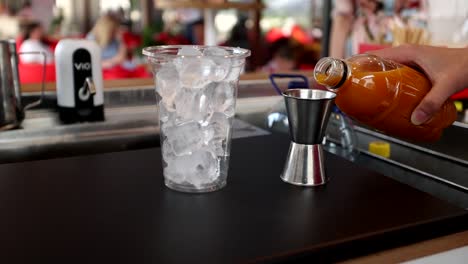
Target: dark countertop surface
<point>114,208</point>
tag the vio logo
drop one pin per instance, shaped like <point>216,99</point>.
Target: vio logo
<point>83,66</point>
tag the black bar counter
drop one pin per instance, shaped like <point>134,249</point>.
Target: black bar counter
<point>114,208</point>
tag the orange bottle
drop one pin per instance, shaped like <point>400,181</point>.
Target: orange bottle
<point>383,94</point>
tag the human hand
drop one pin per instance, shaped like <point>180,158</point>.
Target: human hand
<point>446,68</point>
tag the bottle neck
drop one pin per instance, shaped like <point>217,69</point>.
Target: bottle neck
<point>331,72</point>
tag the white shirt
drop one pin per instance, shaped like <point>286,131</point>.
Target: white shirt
<point>448,23</point>
<point>32,45</point>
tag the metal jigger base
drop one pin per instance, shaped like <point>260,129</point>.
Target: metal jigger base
<point>305,165</point>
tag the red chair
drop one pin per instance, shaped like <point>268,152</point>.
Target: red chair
<point>118,72</point>
<point>32,73</point>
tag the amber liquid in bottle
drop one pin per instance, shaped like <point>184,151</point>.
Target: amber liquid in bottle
<point>383,95</point>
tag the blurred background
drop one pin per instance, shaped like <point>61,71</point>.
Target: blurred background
<point>283,35</point>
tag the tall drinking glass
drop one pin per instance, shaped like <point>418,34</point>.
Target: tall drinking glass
<point>196,88</point>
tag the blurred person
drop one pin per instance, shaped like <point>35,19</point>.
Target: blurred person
<point>195,32</point>
<point>34,40</point>
<point>239,35</point>
<point>282,57</point>
<point>401,5</point>
<point>120,15</point>
<point>26,12</point>
<point>4,10</point>
<point>106,32</point>
<point>242,38</point>
<point>192,25</point>
<point>354,22</point>
<point>57,21</point>
<point>10,24</point>
<point>447,23</point>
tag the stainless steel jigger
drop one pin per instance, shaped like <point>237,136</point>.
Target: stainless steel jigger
<point>308,113</point>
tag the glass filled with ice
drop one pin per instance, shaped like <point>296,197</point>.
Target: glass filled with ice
<point>196,89</point>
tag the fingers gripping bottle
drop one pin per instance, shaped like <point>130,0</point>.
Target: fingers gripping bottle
<point>383,94</point>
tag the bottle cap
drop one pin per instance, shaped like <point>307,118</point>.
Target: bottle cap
<point>380,148</point>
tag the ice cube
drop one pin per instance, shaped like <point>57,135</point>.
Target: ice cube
<point>197,69</point>
<point>223,63</point>
<point>185,138</point>
<point>220,126</point>
<point>167,83</point>
<point>197,73</point>
<point>223,98</point>
<point>192,105</point>
<point>233,75</point>
<point>203,168</point>
<point>198,168</point>
<point>223,67</point>
<point>171,171</point>
<point>189,51</point>
<point>186,54</point>
<point>166,113</point>
<point>215,51</point>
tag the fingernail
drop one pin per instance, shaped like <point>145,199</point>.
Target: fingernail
<point>418,117</point>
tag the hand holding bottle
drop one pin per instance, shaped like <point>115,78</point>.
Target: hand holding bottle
<point>446,68</point>
<point>383,94</point>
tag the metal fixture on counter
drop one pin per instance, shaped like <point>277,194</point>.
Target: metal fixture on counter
<point>308,113</point>
<point>11,107</point>
<point>340,128</point>
<point>79,81</point>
